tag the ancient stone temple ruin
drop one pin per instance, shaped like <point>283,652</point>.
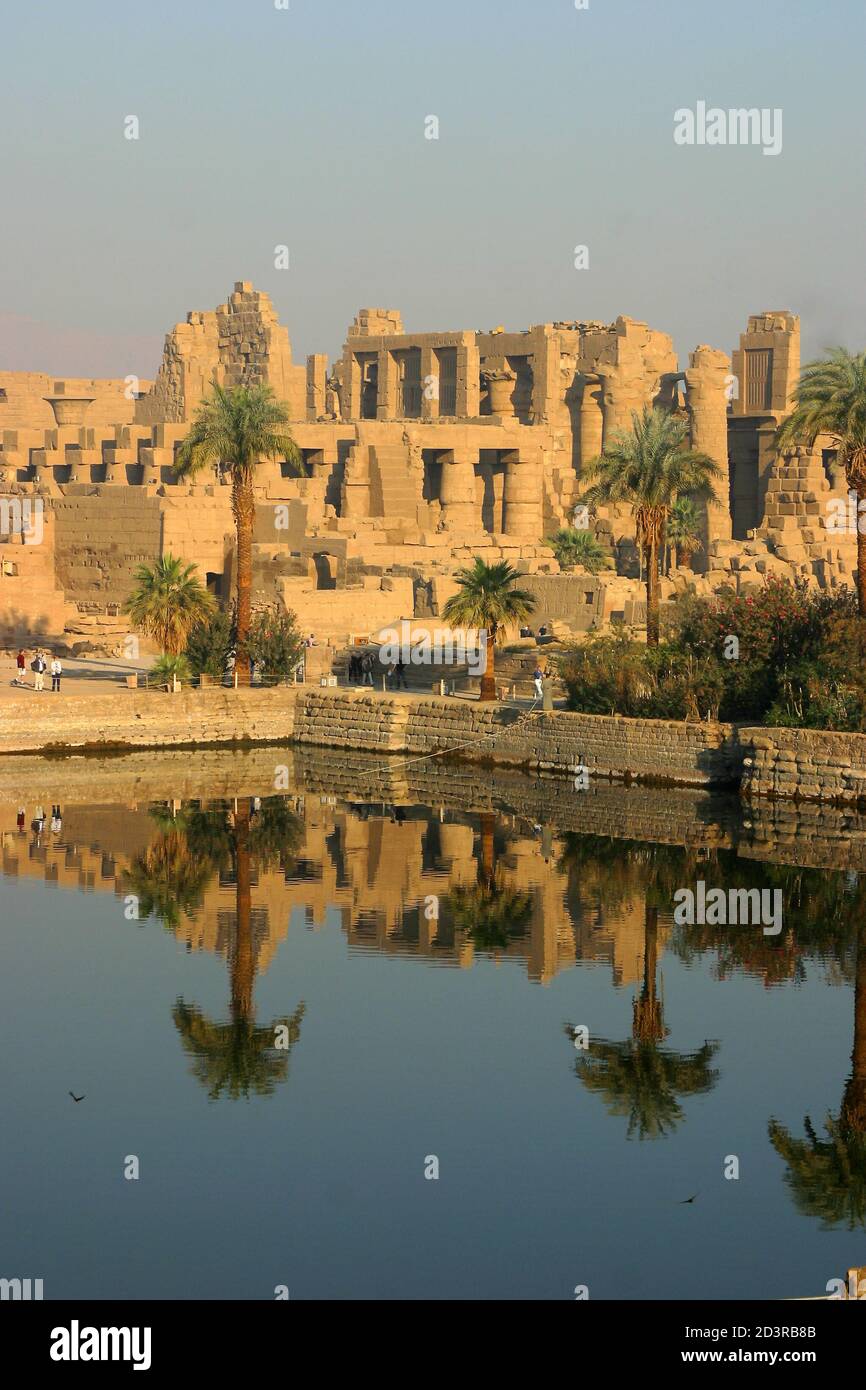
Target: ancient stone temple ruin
<point>420,451</point>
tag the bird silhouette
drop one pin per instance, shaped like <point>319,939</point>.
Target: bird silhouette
<point>75,1097</point>
<point>688,1200</point>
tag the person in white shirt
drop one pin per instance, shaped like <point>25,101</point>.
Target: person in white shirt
<point>56,673</point>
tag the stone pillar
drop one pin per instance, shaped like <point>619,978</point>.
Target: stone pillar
<point>429,397</point>
<point>624,391</point>
<point>468,381</point>
<point>352,386</point>
<point>388,404</point>
<point>459,508</point>
<point>317,375</point>
<point>591,419</point>
<point>523,494</point>
<point>707,379</point>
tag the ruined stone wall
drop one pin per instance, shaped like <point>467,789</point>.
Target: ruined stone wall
<point>241,343</point>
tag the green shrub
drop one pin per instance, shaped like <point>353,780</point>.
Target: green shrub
<point>800,662</point>
<point>275,645</point>
<point>210,643</point>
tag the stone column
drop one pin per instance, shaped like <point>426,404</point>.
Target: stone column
<point>468,381</point>
<point>624,391</point>
<point>591,419</point>
<point>317,375</point>
<point>388,405</point>
<point>352,386</point>
<point>707,379</point>
<point>457,493</point>
<point>523,494</point>
<point>429,398</point>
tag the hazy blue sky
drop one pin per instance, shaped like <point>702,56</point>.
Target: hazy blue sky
<point>261,127</point>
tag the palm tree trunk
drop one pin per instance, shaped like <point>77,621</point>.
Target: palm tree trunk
<point>243,964</point>
<point>854,1103</point>
<point>652,594</point>
<point>861,553</point>
<point>244,508</point>
<point>488,865</point>
<point>488,679</point>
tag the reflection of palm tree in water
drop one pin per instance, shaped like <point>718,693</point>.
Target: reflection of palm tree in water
<point>637,1078</point>
<point>827,1174</point>
<point>234,1057</point>
<point>491,913</point>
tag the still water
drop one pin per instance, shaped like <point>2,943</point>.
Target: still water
<point>288,1012</point>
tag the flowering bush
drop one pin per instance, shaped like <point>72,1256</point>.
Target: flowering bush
<point>780,655</point>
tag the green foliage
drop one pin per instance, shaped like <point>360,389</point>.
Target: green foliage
<point>236,428</point>
<point>830,399</point>
<point>210,642</point>
<point>682,532</point>
<point>801,661</point>
<point>274,643</point>
<point>573,547</point>
<point>488,598</point>
<point>616,675</point>
<point>650,465</point>
<point>168,601</point>
<point>170,668</point>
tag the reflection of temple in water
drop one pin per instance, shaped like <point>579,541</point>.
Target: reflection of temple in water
<point>378,868</point>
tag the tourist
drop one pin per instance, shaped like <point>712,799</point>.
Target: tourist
<point>56,820</point>
<point>311,640</point>
<point>37,666</point>
<point>367,668</point>
<point>21,677</point>
<point>354,673</point>
<point>538,679</point>
<point>22,820</point>
<point>400,675</point>
<point>56,673</point>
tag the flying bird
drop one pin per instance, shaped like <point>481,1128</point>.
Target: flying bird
<point>687,1200</point>
<point>75,1097</point>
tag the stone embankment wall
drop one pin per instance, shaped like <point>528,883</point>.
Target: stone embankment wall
<point>690,755</point>
<point>804,765</point>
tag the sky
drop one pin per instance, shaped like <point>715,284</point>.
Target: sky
<point>307,128</point>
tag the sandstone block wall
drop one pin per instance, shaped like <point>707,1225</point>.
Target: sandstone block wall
<point>806,764</point>
<point>608,747</point>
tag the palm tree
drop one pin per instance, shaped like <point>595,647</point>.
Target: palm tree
<point>649,468</point>
<point>490,912</point>
<point>573,547</point>
<point>830,399</point>
<point>168,602</point>
<point>488,600</point>
<point>235,429</point>
<point>682,532</point>
<point>170,876</point>
<point>827,1175</point>
<point>644,1082</point>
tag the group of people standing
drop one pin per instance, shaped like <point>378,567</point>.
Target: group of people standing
<point>39,821</point>
<point>41,666</point>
